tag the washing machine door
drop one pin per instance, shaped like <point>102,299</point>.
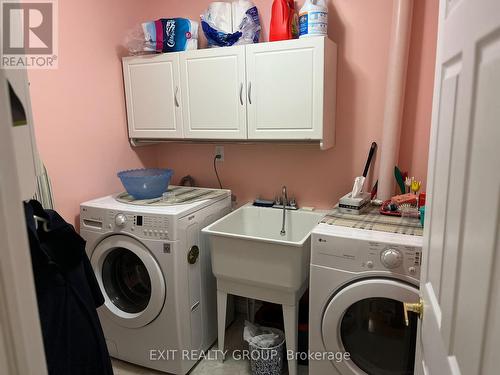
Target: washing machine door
<point>130,279</point>
<point>366,319</point>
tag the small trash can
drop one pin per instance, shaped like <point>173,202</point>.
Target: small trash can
<point>267,361</point>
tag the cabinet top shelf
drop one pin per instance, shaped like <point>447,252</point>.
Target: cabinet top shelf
<point>285,43</point>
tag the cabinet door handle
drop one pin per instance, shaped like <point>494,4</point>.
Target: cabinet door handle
<point>241,93</point>
<point>175,96</point>
<point>250,92</point>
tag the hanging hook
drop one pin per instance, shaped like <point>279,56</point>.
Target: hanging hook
<point>45,223</point>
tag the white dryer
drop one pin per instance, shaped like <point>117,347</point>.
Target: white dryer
<point>153,266</point>
<point>359,281</point>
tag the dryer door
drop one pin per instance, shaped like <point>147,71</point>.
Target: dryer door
<point>130,279</point>
<point>366,319</point>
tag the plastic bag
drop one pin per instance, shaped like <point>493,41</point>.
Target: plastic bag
<point>227,24</point>
<point>217,38</point>
<point>136,42</point>
<point>163,35</point>
<point>250,27</point>
<point>261,337</point>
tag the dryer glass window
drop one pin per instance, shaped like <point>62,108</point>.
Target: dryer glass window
<point>373,331</point>
<point>126,281</point>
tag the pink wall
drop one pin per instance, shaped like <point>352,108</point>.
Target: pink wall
<point>414,149</point>
<point>361,29</point>
<point>80,116</point>
<point>79,109</point>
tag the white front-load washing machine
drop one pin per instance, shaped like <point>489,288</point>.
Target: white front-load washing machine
<point>153,266</point>
<point>359,281</point>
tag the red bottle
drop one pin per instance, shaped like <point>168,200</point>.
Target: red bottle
<point>283,21</point>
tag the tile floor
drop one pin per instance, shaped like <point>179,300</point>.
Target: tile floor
<point>234,341</point>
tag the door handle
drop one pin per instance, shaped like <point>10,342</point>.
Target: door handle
<point>241,93</point>
<point>175,96</point>
<point>413,307</point>
<point>250,92</point>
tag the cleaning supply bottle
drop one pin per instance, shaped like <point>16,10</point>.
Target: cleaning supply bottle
<point>313,18</point>
<point>281,21</point>
<point>294,19</point>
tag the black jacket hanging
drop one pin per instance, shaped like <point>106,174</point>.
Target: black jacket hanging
<point>68,294</point>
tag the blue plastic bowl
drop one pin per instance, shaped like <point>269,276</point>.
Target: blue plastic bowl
<point>146,183</point>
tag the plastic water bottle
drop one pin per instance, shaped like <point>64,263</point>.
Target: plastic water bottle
<point>313,18</point>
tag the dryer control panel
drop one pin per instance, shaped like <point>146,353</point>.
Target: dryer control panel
<point>140,225</point>
<point>356,250</point>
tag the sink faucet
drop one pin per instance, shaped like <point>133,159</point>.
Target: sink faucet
<point>284,202</point>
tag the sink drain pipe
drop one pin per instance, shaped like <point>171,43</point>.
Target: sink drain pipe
<point>395,94</point>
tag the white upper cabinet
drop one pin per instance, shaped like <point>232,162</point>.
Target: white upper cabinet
<point>291,89</point>
<point>279,91</point>
<point>213,89</point>
<point>152,90</point>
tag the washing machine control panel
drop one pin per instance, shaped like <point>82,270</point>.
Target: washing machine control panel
<point>141,225</point>
<point>120,220</point>
<point>391,258</point>
<point>367,255</point>
<point>148,226</point>
<point>396,258</point>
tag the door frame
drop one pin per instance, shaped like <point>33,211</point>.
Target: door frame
<point>20,331</point>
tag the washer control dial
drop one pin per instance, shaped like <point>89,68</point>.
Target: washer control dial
<point>120,220</point>
<point>391,258</point>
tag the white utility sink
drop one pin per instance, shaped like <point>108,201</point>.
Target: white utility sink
<point>247,247</point>
<point>250,258</point>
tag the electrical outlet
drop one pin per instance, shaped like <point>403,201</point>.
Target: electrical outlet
<point>219,150</point>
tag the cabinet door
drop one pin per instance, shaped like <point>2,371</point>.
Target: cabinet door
<point>285,89</point>
<point>152,86</point>
<point>213,90</point>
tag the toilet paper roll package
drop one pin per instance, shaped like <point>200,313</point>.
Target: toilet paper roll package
<point>164,35</point>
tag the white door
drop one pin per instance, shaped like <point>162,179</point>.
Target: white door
<point>213,93</point>
<point>460,330</point>
<point>152,86</point>
<point>285,89</point>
